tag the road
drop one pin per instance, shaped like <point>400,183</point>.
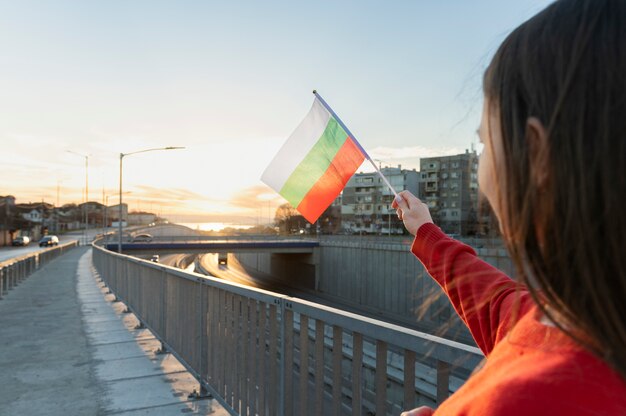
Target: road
<point>9,252</point>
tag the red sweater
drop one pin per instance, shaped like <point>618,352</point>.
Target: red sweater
<point>531,368</point>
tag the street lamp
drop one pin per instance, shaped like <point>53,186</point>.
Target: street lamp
<point>86,191</point>
<point>119,244</point>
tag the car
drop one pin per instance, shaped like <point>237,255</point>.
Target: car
<point>49,240</point>
<point>155,258</point>
<point>142,238</point>
<point>22,240</point>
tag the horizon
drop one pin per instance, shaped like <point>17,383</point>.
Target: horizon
<point>229,82</point>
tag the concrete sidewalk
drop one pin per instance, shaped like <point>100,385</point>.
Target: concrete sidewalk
<point>66,349</point>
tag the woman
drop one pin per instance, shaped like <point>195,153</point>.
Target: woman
<point>554,171</point>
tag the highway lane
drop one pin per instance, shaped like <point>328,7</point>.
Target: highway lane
<point>182,261</point>
<point>9,252</point>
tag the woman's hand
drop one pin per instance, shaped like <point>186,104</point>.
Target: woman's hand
<point>413,212</point>
<point>420,411</point>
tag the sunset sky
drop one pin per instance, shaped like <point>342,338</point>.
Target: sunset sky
<point>229,81</point>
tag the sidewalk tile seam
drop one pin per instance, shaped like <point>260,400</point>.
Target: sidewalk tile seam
<point>164,373</point>
<point>158,406</point>
<point>131,357</point>
<point>134,341</point>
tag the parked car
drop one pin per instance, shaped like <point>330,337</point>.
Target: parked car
<point>21,241</point>
<point>155,258</point>
<point>142,238</point>
<point>49,240</point>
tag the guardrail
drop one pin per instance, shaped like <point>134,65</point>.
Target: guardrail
<point>14,271</point>
<point>247,347</point>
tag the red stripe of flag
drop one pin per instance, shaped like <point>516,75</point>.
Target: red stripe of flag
<point>321,195</point>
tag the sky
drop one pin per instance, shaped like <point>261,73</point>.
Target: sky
<point>229,81</point>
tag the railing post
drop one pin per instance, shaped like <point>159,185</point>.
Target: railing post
<point>381,377</point>
<point>12,270</point>
<point>304,364</point>
<point>409,379</point>
<point>357,364</point>
<point>319,366</point>
<point>202,369</point>
<point>287,359</point>
<point>281,392</point>
<point>443,380</point>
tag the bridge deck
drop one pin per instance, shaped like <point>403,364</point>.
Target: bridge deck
<point>219,246</point>
<point>66,349</point>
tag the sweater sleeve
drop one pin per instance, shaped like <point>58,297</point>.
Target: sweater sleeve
<point>486,299</point>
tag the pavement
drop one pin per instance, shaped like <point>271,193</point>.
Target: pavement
<point>67,348</point>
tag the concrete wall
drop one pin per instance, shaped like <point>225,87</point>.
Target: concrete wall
<point>297,270</point>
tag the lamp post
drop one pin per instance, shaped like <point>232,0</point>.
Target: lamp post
<point>119,244</point>
<point>86,217</point>
<point>105,222</point>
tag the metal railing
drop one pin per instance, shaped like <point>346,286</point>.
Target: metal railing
<point>248,347</point>
<point>15,270</point>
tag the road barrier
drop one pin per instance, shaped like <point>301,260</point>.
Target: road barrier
<point>15,270</point>
<point>247,346</point>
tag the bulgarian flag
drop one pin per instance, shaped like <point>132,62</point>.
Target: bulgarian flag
<point>316,162</point>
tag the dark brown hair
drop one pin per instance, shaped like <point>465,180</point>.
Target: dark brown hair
<point>566,66</point>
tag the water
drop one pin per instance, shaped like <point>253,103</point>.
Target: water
<point>214,226</point>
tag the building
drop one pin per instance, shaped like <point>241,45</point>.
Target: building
<point>94,212</point>
<point>112,213</point>
<point>33,219</point>
<point>450,188</point>
<point>34,215</point>
<point>366,201</point>
<point>7,207</point>
<point>141,218</point>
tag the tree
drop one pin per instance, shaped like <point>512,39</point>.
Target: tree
<point>288,219</point>
<point>330,220</point>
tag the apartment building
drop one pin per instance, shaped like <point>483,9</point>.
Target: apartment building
<point>366,201</point>
<point>450,188</point>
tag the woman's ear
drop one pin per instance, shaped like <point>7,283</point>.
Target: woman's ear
<point>539,153</point>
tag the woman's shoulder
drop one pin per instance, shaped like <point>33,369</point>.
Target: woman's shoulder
<point>540,363</point>
<point>571,384</point>
<point>524,379</point>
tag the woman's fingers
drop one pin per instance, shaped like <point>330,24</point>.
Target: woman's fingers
<point>420,411</point>
<point>411,211</point>
<point>401,201</point>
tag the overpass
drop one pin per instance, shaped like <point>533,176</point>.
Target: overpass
<point>218,246</point>
<point>288,259</point>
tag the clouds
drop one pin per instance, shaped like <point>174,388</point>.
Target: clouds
<point>253,197</point>
<point>412,152</point>
<point>170,195</point>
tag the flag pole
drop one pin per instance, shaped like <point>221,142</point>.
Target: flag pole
<point>367,156</point>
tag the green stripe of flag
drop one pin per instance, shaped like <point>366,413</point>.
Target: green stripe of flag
<point>314,164</point>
